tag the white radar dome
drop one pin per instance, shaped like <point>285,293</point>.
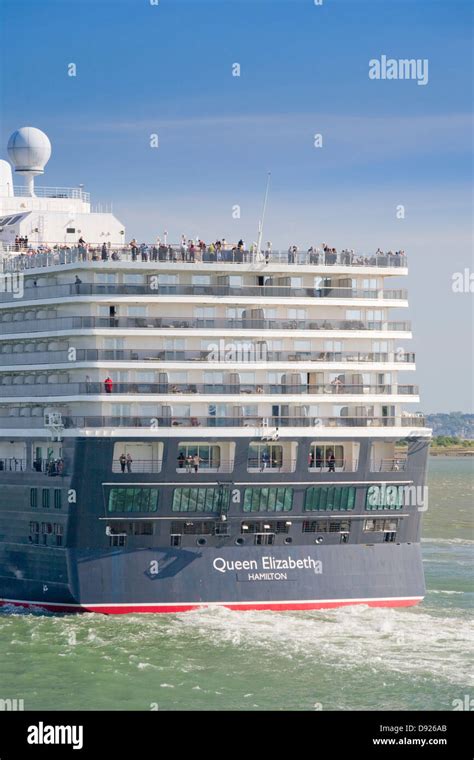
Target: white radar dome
<point>29,149</point>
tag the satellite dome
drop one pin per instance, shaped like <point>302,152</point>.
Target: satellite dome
<point>29,150</point>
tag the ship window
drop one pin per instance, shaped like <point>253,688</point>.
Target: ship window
<point>139,528</point>
<point>133,500</point>
<point>200,500</point>
<point>57,498</point>
<point>264,539</point>
<point>326,526</point>
<point>381,497</point>
<point>209,455</point>
<point>265,456</point>
<point>33,498</point>
<point>381,525</point>
<point>45,498</point>
<point>264,527</point>
<point>175,540</point>
<point>268,499</point>
<point>201,279</point>
<point>194,528</point>
<point>34,527</point>
<point>46,528</point>
<point>320,455</point>
<point>117,540</point>
<point>325,498</point>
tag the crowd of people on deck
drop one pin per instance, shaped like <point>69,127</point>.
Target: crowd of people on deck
<point>191,250</point>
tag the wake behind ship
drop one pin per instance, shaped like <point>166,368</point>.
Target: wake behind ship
<point>191,424</point>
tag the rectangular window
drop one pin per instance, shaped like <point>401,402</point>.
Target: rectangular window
<point>205,312</point>
<point>268,499</point>
<point>133,279</point>
<point>45,498</point>
<point>381,525</point>
<point>34,527</point>
<point>33,498</point>
<point>208,456</point>
<point>137,311</point>
<point>330,498</point>
<point>297,314</point>
<point>380,497</point>
<point>201,279</point>
<point>167,279</point>
<point>57,498</point>
<point>133,500</point>
<point>117,540</point>
<point>265,456</point>
<point>200,500</point>
<point>326,455</point>
<point>326,526</point>
<point>105,279</point>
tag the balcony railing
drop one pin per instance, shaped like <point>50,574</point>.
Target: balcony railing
<point>76,193</point>
<point>54,292</point>
<point>397,464</point>
<point>247,354</point>
<point>61,324</point>
<point>56,254</point>
<point>264,423</point>
<point>47,466</point>
<point>208,389</point>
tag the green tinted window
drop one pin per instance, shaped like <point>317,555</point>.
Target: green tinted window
<point>133,500</point>
<point>330,498</point>
<point>200,500</point>
<point>268,499</point>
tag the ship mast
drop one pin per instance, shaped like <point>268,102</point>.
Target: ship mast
<point>260,224</point>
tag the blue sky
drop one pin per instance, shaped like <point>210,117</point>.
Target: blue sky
<point>167,69</point>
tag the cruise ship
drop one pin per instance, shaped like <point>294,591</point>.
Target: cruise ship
<point>188,425</point>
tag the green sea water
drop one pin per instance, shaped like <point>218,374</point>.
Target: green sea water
<point>348,659</point>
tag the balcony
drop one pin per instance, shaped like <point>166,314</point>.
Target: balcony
<point>315,423</point>
<point>50,467</point>
<point>62,324</point>
<point>255,353</point>
<point>58,254</point>
<point>56,292</point>
<point>193,389</point>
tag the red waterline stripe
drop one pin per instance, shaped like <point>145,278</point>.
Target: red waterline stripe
<point>126,609</point>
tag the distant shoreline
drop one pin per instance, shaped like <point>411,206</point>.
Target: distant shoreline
<point>444,451</point>
<point>447,451</point>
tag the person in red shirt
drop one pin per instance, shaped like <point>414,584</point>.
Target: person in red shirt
<point>108,383</point>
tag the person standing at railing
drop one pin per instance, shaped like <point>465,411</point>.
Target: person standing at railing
<point>331,461</point>
<point>129,463</point>
<point>108,384</point>
<point>134,246</point>
<point>123,462</point>
<point>104,253</point>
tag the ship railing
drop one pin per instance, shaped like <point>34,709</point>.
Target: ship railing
<point>138,465</point>
<point>52,292</point>
<point>81,323</point>
<point>74,193</point>
<point>252,353</point>
<point>223,465</point>
<point>47,466</point>
<point>396,464</point>
<point>57,253</point>
<point>340,465</point>
<point>193,389</point>
<point>13,464</point>
<point>271,423</point>
<point>262,465</point>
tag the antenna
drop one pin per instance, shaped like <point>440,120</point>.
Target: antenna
<point>260,224</point>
